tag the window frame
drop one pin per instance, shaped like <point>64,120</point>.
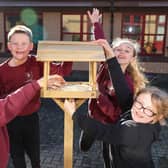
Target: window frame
<point>81,32</point>
<point>143,34</point>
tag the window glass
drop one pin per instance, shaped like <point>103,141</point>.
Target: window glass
<point>71,23</point>
<point>150,28</point>
<point>150,24</point>
<point>86,26</point>
<point>132,29</point>
<point>76,27</point>
<point>162,19</point>
<point>88,37</point>
<point>160,30</point>
<point>137,19</point>
<point>126,19</point>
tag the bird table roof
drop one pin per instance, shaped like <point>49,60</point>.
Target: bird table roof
<point>69,51</point>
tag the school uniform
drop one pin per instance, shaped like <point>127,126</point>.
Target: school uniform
<point>131,141</point>
<point>24,129</point>
<point>18,100</point>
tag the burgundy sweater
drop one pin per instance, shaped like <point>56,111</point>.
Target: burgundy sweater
<point>12,78</point>
<point>105,108</point>
<point>17,100</point>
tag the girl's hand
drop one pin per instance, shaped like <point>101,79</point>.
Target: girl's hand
<point>70,106</point>
<point>95,16</point>
<point>108,51</point>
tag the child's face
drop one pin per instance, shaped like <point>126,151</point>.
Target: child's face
<point>20,46</point>
<point>124,54</point>
<point>143,110</point>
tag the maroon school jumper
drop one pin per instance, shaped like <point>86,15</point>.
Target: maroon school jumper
<point>105,108</point>
<point>18,100</point>
<point>12,78</point>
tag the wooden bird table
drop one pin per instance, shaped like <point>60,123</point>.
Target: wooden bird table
<point>49,51</point>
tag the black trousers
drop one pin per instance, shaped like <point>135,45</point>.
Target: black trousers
<point>107,155</point>
<point>24,138</point>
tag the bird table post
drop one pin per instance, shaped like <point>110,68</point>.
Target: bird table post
<point>63,51</point>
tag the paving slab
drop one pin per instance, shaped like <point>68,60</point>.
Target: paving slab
<point>51,131</point>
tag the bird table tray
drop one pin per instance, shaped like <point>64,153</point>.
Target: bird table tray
<point>49,51</point>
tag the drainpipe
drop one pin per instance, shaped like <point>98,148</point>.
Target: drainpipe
<point>112,17</point>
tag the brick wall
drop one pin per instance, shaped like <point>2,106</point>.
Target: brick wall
<point>155,67</point>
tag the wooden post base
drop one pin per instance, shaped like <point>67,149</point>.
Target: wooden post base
<point>68,132</point>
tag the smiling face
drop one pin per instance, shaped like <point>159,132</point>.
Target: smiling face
<point>143,111</point>
<point>20,46</point>
<point>124,54</point>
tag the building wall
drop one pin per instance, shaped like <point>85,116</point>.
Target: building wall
<point>166,45</point>
<point>117,25</point>
<point>52,29</point>
<point>52,23</point>
<point>107,25</point>
<point>155,67</point>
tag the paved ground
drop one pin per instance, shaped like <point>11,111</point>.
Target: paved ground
<point>51,123</point>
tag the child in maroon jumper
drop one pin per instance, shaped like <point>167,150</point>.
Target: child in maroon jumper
<point>14,73</point>
<point>137,128</point>
<point>106,108</point>
<point>18,100</point>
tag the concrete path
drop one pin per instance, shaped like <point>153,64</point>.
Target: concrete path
<point>51,124</point>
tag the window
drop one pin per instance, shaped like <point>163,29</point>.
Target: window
<point>148,29</point>
<point>75,27</point>
<point>132,27</point>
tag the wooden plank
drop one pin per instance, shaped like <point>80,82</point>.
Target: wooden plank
<point>68,136</point>
<point>68,141</point>
<point>68,94</point>
<point>72,90</point>
<point>68,132</point>
<point>69,51</point>
<point>46,73</point>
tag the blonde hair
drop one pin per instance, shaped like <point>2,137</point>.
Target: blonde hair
<point>20,29</point>
<point>159,100</point>
<point>133,69</point>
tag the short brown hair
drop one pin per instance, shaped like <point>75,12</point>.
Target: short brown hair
<point>20,29</point>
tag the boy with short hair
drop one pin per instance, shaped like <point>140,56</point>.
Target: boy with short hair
<point>15,72</point>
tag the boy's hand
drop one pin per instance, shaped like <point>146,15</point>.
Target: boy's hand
<point>54,81</point>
